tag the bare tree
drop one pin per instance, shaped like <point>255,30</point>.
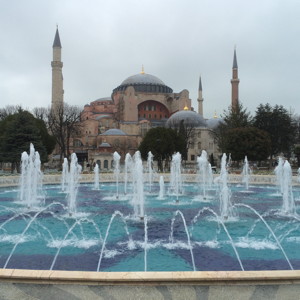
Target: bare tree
<point>123,146</point>
<point>41,113</point>
<point>64,124</point>
<point>9,110</point>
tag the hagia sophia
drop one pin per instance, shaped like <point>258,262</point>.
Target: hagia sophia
<point>140,102</point>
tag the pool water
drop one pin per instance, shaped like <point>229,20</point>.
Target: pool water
<point>45,237</point>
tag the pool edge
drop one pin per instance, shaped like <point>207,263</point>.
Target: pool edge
<point>151,278</point>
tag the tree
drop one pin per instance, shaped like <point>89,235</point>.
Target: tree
<point>232,118</point>
<point>280,126</point>
<point>64,123</point>
<point>9,110</point>
<point>163,143</point>
<point>17,132</point>
<point>184,127</point>
<point>248,141</point>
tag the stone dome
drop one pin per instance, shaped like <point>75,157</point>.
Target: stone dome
<point>213,123</point>
<point>114,131</point>
<point>189,117</point>
<point>103,117</point>
<point>143,82</point>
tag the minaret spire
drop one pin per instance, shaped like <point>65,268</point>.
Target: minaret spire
<point>56,42</point>
<point>200,98</point>
<point>234,66</point>
<point>57,77</point>
<point>234,83</point>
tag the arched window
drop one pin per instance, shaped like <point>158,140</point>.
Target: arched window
<point>77,143</point>
<point>106,164</point>
<point>199,145</point>
<point>98,162</point>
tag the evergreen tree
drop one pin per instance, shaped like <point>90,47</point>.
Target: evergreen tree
<point>163,143</point>
<point>248,141</point>
<point>233,118</point>
<point>17,132</point>
<point>280,126</point>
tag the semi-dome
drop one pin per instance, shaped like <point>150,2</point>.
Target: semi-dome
<point>114,131</point>
<point>103,117</point>
<point>143,82</point>
<point>189,117</point>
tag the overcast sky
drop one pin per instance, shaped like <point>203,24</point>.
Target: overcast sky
<point>104,42</point>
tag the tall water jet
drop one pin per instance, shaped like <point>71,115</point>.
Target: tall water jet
<point>150,170</point>
<point>246,173</point>
<point>205,175</point>
<point>161,188</point>
<point>74,176</point>
<point>65,175</point>
<point>138,186</point>
<point>288,205</point>
<point>117,158</point>
<point>279,175</point>
<point>31,178</point>
<point>226,210</point>
<point>176,180</point>
<point>96,177</point>
<point>127,169</point>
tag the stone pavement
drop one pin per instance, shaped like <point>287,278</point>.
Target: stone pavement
<point>28,291</point>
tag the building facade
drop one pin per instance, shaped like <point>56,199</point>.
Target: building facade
<point>140,102</point>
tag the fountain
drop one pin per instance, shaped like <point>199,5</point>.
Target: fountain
<point>279,175</point>
<point>127,168</point>
<point>150,170</point>
<point>246,173</point>
<point>176,180</point>
<point>118,236</point>
<point>288,206</point>
<point>117,158</point>
<point>226,210</point>
<point>161,188</point>
<point>74,176</point>
<point>138,186</point>
<point>65,175</point>
<point>31,179</point>
<point>205,174</point>
<point>96,177</point>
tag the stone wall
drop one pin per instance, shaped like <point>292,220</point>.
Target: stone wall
<point>109,177</point>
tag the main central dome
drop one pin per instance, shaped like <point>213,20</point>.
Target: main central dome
<point>143,82</point>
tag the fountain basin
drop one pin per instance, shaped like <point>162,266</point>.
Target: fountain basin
<point>279,284</point>
<point>159,251</point>
<point>150,285</point>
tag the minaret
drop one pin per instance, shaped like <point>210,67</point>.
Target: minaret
<point>234,83</point>
<point>200,98</point>
<point>57,77</point>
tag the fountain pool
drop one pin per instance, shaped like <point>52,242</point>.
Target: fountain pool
<point>104,234</point>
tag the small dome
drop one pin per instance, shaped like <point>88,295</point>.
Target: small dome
<point>144,83</point>
<point>213,123</point>
<point>103,99</point>
<point>189,117</point>
<point>104,145</point>
<point>114,131</point>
